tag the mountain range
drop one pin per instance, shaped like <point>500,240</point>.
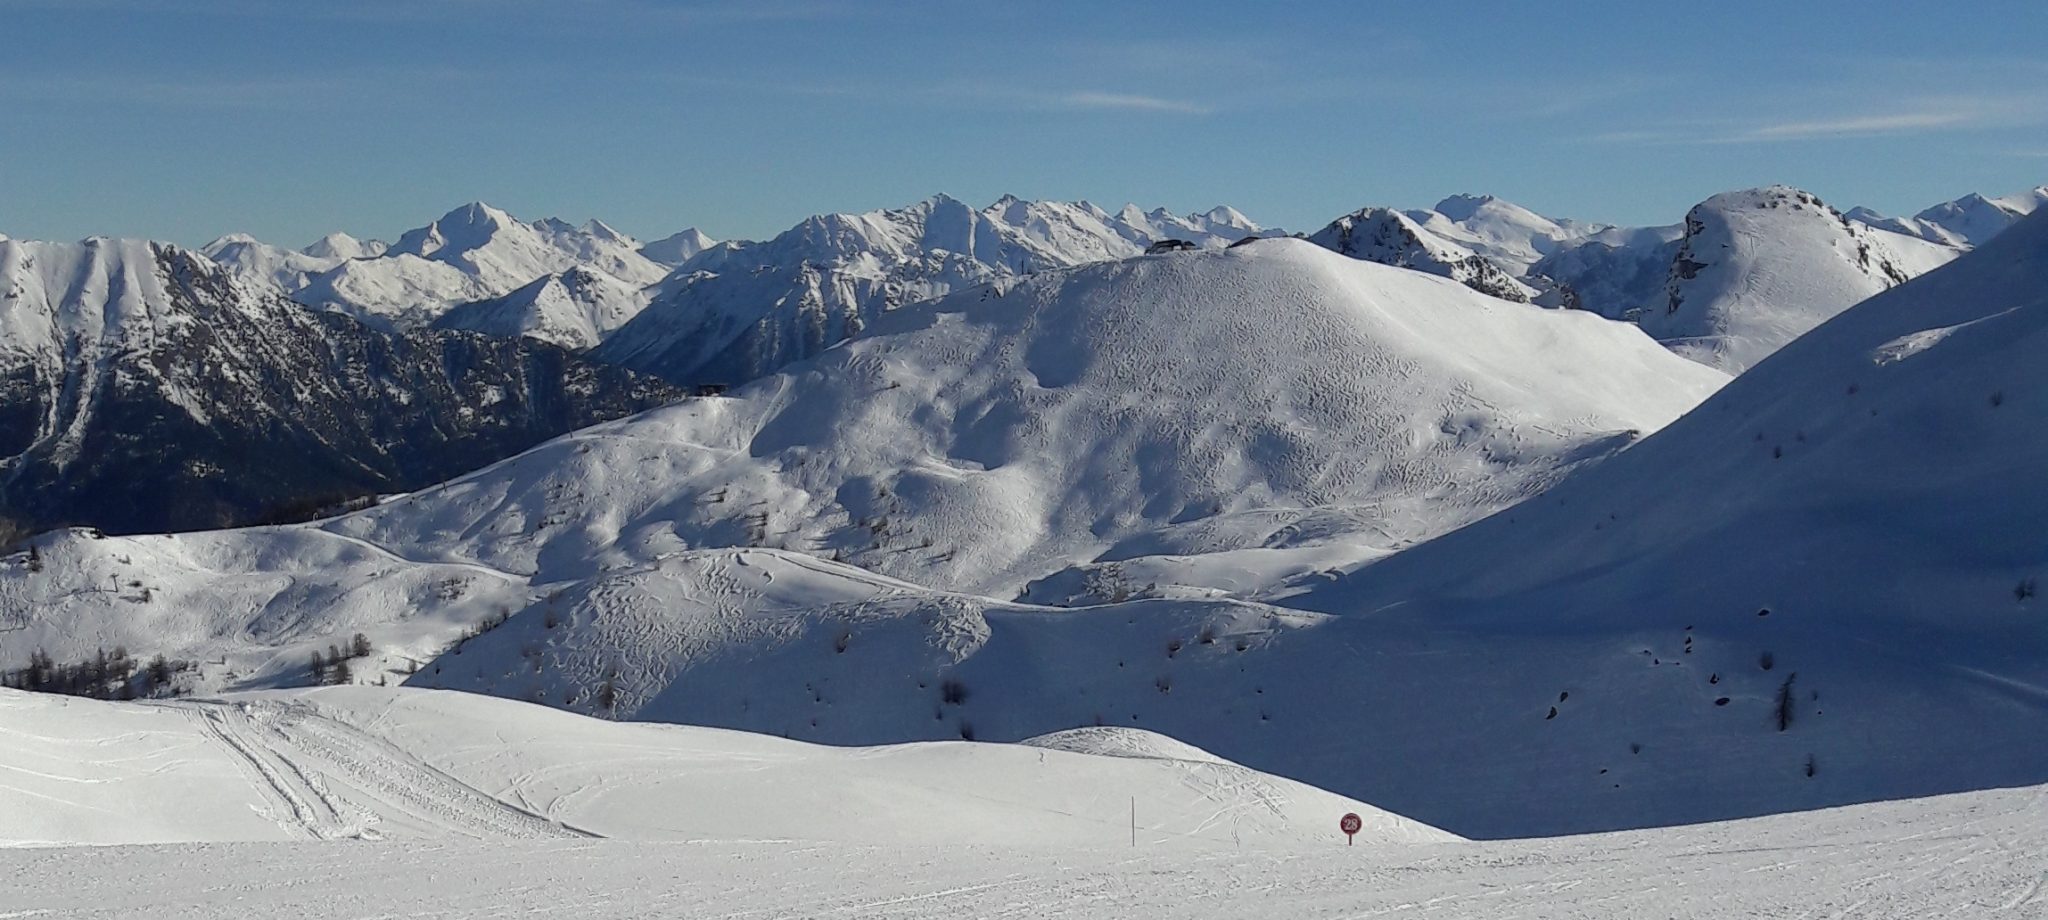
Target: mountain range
<point>1759,542</point>
<point>147,388</point>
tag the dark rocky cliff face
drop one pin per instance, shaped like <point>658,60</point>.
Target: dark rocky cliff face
<point>170,396</point>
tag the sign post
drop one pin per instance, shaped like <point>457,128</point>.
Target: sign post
<point>1350,826</point>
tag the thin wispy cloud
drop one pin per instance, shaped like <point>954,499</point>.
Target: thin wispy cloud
<point>1912,118</point>
<point>1131,102</point>
<point>1857,126</point>
<point>953,95</point>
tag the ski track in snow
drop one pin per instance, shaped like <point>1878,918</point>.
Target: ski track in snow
<point>332,781</point>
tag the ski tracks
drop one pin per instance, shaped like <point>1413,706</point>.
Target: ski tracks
<point>326,780</point>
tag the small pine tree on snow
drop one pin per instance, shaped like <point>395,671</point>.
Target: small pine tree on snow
<point>340,674</point>
<point>319,668</point>
<point>359,646</point>
<point>1785,698</point>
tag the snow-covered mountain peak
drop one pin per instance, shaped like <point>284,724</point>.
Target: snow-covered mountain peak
<point>226,240</point>
<point>1390,237</point>
<point>468,227</point>
<point>1759,267</point>
<point>1227,216</point>
<point>1462,207</point>
<point>340,246</point>
<point>474,252</point>
<point>1975,218</point>
<point>575,309</point>
<point>605,232</point>
<point>677,248</point>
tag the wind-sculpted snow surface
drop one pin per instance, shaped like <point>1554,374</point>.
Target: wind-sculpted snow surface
<point>363,763</point>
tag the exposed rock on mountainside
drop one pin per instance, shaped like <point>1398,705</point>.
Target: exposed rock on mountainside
<point>147,389</point>
<point>1389,237</point>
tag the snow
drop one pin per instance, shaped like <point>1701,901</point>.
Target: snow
<point>369,764</point>
<point>1351,525</point>
<point>1969,855</point>
<point>1855,505</point>
<point>364,802</point>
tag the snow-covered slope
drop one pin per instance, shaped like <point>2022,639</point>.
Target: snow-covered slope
<point>737,311</point>
<point>475,252</point>
<point>1758,268</point>
<point>574,309</point>
<point>1820,587</point>
<point>1273,395</point>
<point>1793,604</point>
<point>1079,423</point>
<point>1975,855</point>
<point>1615,279</point>
<point>1390,237</point>
<point>148,388</point>
<point>363,763</point>
<point>1854,522</point>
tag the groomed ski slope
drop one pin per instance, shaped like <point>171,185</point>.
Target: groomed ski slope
<point>1979,855</point>
<point>364,763</point>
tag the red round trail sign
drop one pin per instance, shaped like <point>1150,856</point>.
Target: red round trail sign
<point>1350,825</point>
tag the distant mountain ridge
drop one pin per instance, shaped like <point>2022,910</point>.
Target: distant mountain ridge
<point>736,311</point>
<point>148,388</point>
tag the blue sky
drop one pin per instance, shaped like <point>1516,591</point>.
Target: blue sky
<point>186,119</point>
